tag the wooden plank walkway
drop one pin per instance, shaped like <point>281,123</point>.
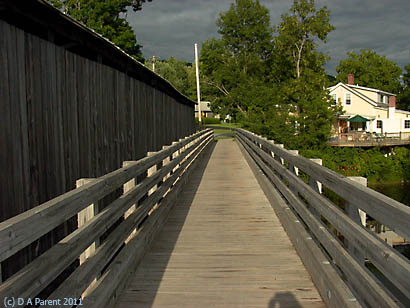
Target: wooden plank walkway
<point>222,246</point>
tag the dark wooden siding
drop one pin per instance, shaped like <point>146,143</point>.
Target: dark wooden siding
<point>65,117</point>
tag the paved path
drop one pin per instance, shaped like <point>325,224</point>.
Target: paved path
<point>222,246</point>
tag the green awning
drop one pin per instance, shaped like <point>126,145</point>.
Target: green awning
<point>357,119</point>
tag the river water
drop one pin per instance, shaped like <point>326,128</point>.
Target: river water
<point>399,192</point>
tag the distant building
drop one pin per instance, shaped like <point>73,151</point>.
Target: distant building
<point>368,110</point>
<point>205,110</point>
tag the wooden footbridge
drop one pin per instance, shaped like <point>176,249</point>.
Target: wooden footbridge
<point>231,223</point>
<point>111,197</point>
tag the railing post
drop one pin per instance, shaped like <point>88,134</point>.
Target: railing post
<point>277,157</point>
<point>85,215</point>
<point>295,170</point>
<point>127,187</point>
<point>359,217</point>
<point>271,152</point>
<point>150,172</point>
<point>165,162</point>
<point>292,167</point>
<point>175,155</point>
<point>353,211</point>
<point>316,185</point>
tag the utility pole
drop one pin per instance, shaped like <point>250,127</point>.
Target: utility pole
<point>198,92</point>
<point>153,59</point>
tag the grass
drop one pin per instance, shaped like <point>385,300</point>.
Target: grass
<point>222,131</point>
<point>230,125</point>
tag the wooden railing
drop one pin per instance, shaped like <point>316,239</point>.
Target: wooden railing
<point>370,139</point>
<point>340,268</point>
<point>104,266</point>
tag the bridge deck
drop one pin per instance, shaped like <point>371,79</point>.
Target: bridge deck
<point>222,246</point>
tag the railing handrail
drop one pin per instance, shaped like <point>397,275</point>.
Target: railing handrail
<point>388,211</point>
<point>21,230</point>
<point>26,283</point>
<point>364,136</point>
<point>389,261</point>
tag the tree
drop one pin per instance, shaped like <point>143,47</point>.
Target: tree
<point>238,60</point>
<point>295,43</point>
<point>404,95</point>
<point>179,73</point>
<point>108,18</point>
<point>301,77</point>
<point>370,70</point>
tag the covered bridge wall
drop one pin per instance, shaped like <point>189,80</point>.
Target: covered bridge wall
<point>72,106</point>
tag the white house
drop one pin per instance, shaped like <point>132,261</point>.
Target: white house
<point>368,110</point>
<point>206,111</point>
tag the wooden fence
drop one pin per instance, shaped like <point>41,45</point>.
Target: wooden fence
<point>72,106</point>
<point>104,264</point>
<point>367,139</point>
<point>340,268</point>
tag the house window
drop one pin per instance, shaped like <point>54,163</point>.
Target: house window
<point>379,124</point>
<point>384,99</point>
<point>406,123</point>
<point>348,99</point>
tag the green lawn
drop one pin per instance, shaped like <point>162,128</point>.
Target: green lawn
<point>221,131</point>
<point>230,125</point>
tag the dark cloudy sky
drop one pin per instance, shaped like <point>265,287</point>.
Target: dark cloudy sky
<point>171,27</point>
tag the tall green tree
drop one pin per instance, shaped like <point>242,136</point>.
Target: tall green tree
<point>301,77</point>
<point>108,18</point>
<point>177,72</point>
<point>295,44</point>
<point>370,70</point>
<point>238,61</point>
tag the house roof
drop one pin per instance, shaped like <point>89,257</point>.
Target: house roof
<point>352,90</point>
<point>370,89</point>
<point>403,111</point>
<point>358,119</point>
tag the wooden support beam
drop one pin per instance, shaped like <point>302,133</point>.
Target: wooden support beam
<point>175,155</point>
<point>83,217</point>
<point>314,183</point>
<point>277,157</point>
<point>126,188</point>
<point>292,168</point>
<point>359,217</point>
<point>166,161</point>
<point>151,171</point>
<point>352,210</point>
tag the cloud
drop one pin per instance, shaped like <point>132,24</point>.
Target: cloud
<point>170,28</point>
